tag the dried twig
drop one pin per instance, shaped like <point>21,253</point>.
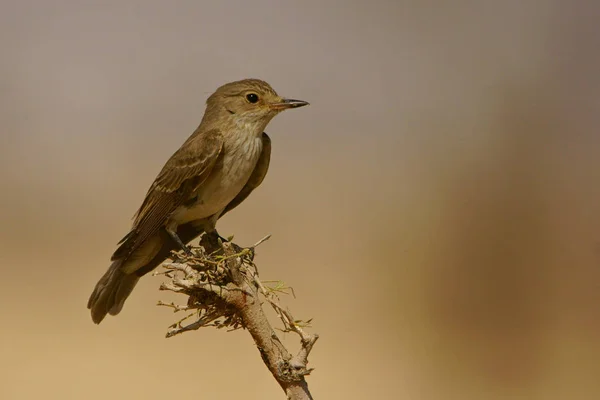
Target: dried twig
<point>224,291</point>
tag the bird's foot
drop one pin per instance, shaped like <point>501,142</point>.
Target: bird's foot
<point>214,235</point>
<point>224,240</point>
<point>187,251</point>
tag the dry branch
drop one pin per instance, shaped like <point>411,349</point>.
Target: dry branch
<point>224,291</point>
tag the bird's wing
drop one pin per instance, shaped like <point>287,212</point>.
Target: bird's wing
<point>259,173</point>
<point>183,173</point>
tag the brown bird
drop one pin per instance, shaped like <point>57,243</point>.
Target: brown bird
<point>217,167</point>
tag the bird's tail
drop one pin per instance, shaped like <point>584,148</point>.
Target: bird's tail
<point>111,291</point>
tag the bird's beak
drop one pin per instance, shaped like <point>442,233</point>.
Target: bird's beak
<point>288,103</point>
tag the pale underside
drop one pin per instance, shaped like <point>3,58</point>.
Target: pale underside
<point>224,185</point>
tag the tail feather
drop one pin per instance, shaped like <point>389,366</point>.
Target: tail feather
<point>117,283</point>
<point>110,292</point>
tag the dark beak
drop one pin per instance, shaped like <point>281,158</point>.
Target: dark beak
<point>289,103</point>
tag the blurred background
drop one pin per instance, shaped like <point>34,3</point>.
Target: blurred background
<point>436,208</point>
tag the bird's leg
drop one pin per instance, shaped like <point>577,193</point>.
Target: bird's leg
<point>173,234</point>
<point>211,239</point>
<point>210,228</point>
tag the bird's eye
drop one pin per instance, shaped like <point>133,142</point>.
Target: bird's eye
<point>252,97</point>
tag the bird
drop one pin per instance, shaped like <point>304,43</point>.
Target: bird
<point>213,171</point>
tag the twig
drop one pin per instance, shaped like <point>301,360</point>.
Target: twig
<point>224,291</point>
<point>261,241</point>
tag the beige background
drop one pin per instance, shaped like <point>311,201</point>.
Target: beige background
<point>436,208</point>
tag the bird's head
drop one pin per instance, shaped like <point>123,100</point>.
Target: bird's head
<point>248,102</point>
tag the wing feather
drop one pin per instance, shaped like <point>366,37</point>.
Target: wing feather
<point>177,182</point>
